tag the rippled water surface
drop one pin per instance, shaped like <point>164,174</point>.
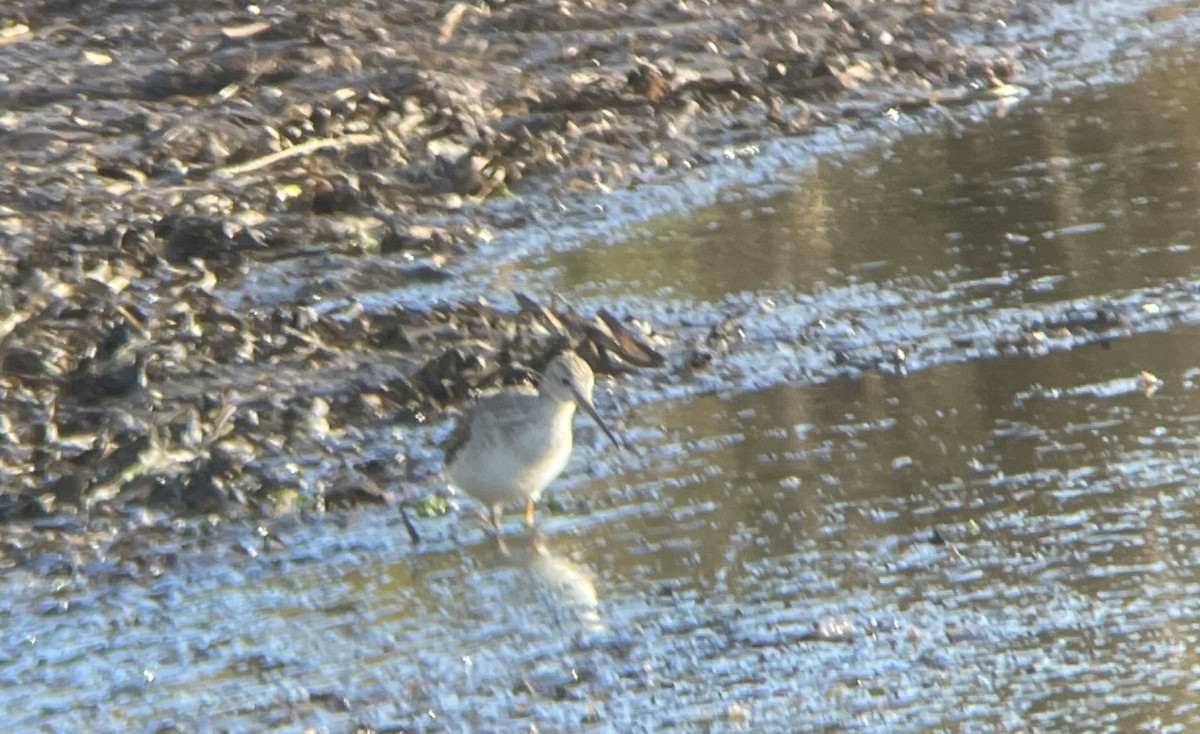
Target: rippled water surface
<point>988,535</point>
<point>1089,192</point>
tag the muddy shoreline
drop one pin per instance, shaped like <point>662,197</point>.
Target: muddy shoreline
<point>156,158</point>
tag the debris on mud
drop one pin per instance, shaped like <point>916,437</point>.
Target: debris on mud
<point>158,158</point>
<point>131,394</point>
<point>264,133</point>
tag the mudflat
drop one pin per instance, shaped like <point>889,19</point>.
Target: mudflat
<point>186,191</point>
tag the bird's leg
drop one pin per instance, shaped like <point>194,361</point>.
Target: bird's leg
<point>497,511</point>
<point>529,512</point>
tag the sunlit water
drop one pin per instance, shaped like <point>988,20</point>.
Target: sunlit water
<point>994,541</point>
<point>1090,192</point>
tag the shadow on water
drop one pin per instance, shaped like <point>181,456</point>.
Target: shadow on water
<point>992,544</point>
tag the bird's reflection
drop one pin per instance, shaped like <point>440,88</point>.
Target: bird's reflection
<point>555,584</point>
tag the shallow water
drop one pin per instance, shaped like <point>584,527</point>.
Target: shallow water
<point>1087,192</point>
<point>990,539</point>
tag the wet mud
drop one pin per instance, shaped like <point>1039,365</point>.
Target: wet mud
<point>157,158</point>
<point>935,431</point>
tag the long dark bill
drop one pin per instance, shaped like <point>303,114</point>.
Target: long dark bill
<point>587,408</point>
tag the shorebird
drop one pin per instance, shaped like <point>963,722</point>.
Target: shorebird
<point>512,443</point>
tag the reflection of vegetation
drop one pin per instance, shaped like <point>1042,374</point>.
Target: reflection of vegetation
<point>1055,189</point>
<point>746,244</point>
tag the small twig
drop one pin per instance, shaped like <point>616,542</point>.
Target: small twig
<point>450,22</point>
<point>408,525</point>
<point>304,148</point>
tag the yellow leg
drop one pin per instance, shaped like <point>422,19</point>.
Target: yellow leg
<point>497,511</point>
<point>529,513</point>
